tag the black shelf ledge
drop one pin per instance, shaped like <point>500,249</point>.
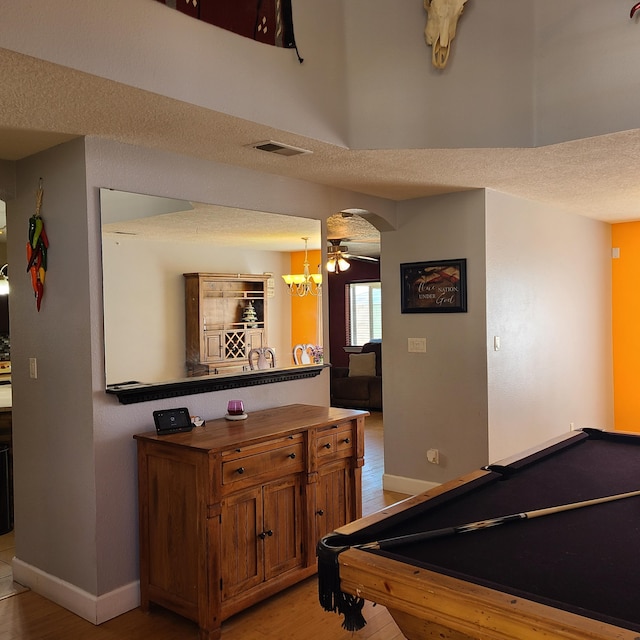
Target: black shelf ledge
<point>130,393</point>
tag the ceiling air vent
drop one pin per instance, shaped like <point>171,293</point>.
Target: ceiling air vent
<point>279,148</point>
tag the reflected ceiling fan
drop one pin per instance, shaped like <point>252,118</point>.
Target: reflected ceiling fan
<point>338,256</point>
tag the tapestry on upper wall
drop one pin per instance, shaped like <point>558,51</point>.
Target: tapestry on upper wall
<point>268,21</point>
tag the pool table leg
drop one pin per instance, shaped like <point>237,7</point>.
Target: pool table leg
<point>416,628</point>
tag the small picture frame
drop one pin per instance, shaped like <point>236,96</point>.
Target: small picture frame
<point>438,286</point>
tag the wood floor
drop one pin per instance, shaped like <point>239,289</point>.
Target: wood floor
<point>293,614</point>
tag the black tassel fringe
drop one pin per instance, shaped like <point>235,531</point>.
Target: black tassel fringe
<point>329,593</point>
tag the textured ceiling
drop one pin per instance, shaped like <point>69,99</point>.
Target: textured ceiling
<point>43,104</point>
<point>167,220</point>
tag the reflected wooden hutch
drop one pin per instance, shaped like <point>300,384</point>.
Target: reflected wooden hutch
<point>221,329</point>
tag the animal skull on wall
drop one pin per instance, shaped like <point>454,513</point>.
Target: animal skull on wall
<point>442,21</point>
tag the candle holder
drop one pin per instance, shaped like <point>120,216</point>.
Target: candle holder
<point>235,410</point>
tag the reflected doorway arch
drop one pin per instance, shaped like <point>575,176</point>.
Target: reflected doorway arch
<point>356,232</point>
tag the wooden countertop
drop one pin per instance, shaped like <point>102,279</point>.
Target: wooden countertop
<point>265,423</point>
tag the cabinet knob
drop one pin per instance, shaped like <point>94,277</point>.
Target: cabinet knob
<point>327,446</point>
<point>347,441</point>
<point>320,512</point>
<point>291,455</point>
<point>264,534</point>
<point>240,470</point>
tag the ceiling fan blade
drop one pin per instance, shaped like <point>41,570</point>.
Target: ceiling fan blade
<point>349,256</point>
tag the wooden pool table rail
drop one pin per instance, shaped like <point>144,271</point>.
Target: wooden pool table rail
<point>408,503</point>
<point>430,605</point>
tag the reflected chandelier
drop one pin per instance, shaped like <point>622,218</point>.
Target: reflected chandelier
<point>302,284</point>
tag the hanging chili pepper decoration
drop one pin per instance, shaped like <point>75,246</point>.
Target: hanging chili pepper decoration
<point>37,246</point>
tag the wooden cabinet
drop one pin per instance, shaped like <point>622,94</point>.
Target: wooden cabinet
<point>230,513</point>
<point>335,445</point>
<point>221,330</point>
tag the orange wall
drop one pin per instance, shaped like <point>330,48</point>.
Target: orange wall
<point>626,325</point>
<point>304,311</point>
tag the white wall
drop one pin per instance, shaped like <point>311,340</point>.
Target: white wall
<point>144,302</point>
<point>549,301</point>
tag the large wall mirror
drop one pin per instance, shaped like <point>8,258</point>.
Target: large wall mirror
<point>149,242</point>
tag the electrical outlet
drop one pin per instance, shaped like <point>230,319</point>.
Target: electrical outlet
<point>433,456</point>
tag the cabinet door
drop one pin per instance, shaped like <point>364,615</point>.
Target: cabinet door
<point>283,526</point>
<point>254,340</point>
<point>213,346</point>
<point>333,507</point>
<point>242,559</point>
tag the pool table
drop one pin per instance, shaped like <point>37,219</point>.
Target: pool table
<point>574,574</point>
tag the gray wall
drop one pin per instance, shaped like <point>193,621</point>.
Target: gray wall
<point>436,399</point>
<point>7,180</point>
<point>586,72</point>
<point>54,448</point>
<point>397,99</point>
<point>538,279</point>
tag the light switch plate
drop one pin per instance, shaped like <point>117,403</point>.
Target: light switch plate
<point>417,345</point>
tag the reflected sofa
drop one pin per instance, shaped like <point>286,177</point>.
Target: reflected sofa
<point>357,391</point>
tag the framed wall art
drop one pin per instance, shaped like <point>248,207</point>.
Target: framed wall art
<point>439,286</point>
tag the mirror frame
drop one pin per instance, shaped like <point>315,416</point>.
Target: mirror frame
<point>132,393</point>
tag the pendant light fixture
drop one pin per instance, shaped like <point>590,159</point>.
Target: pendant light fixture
<point>302,284</point>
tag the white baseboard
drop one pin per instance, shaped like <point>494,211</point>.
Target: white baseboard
<point>410,486</point>
<point>95,609</point>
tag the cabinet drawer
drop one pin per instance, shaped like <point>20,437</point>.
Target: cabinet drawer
<point>286,456</point>
<point>336,441</point>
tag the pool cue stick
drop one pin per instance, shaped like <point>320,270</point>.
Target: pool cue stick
<point>388,543</point>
